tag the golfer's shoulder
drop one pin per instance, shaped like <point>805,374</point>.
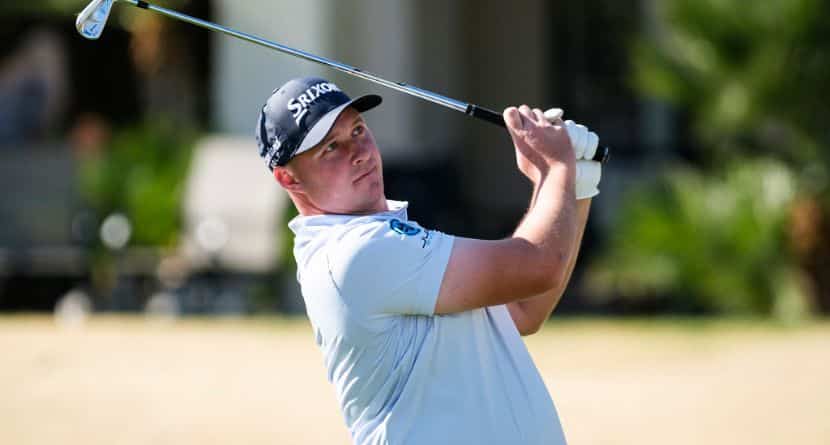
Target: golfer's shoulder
<point>369,246</point>
<point>361,238</point>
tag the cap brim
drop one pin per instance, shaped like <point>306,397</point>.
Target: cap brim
<point>324,124</point>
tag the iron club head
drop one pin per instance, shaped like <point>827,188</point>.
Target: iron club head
<point>92,20</point>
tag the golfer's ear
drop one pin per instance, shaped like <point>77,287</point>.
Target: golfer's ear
<point>287,179</point>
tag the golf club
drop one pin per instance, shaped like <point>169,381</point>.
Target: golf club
<point>92,20</point>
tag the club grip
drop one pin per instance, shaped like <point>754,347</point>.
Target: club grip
<point>602,155</point>
<point>486,114</point>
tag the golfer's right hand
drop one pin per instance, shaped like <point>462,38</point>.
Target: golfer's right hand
<point>540,144</point>
<point>584,142</point>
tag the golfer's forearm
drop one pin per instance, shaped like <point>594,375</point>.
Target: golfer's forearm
<point>583,207</point>
<point>535,310</point>
<point>551,224</point>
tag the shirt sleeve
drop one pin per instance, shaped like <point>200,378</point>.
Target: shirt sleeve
<point>390,267</point>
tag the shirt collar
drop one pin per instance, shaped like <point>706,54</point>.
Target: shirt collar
<point>397,209</point>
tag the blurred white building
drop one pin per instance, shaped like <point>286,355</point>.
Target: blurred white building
<point>486,52</point>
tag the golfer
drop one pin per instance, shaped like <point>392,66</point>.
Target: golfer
<point>421,330</point>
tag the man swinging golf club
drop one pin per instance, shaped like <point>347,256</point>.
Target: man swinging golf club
<point>420,330</point>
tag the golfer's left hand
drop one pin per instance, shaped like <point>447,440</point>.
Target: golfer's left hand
<point>585,143</point>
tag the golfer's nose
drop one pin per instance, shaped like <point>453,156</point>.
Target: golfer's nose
<point>361,152</point>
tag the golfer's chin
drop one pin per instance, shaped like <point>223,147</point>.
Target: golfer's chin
<point>375,205</point>
<point>373,200</point>
<point>370,189</point>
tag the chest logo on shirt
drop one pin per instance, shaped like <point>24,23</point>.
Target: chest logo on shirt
<point>403,228</point>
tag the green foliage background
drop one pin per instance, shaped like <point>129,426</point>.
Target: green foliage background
<point>142,175</point>
<point>712,236</point>
<point>753,75</point>
<point>708,242</point>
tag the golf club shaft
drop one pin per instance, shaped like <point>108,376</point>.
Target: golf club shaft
<point>400,86</point>
<point>467,108</point>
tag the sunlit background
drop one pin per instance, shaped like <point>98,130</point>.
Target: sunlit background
<point>147,286</point>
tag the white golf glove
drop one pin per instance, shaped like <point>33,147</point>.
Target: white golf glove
<point>585,143</point>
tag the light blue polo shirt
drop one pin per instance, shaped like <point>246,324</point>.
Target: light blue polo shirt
<point>402,374</point>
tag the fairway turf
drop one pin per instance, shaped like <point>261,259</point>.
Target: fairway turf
<point>125,380</point>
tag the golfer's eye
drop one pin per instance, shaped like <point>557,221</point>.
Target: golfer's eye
<point>358,130</point>
<point>330,147</point>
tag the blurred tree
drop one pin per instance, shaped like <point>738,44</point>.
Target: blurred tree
<point>753,80</point>
<point>711,243</point>
<point>41,7</point>
<point>141,174</point>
